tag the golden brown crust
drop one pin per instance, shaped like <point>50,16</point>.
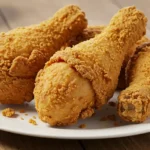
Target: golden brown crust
<point>64,97</point>
<point>89,58</point>
<point>134,101</point>
<point>32,121</point>
<point>14,89</point>
<point>143,47</point>
<point>23,51</point>
<point>96,65</point>
<point>8,112</point>
<point>122,79</point>
<point>91,32</point>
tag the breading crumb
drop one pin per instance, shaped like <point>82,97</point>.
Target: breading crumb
<point>22,118</point>
<point>8,112</point>
<point>82,126</point>
<point>22,111</point>
<point>32,121</point>
<point>26,114</point>
<point>34,117</point>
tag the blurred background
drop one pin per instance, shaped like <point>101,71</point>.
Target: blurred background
<point>26,12</point>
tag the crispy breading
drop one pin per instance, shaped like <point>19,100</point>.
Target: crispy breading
<point>32,121</point>
<point>134,101</point>
<point>24,51</point>
<point>63,95</point>
<point>122,81</point>
<point>91,32</point>
<point>91,67</point>
<point>8,112</point>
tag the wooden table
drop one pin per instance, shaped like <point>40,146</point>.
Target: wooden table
<point>20,13</point>
<point>10,141</point>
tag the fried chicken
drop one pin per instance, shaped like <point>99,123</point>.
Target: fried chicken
<point>62,83</point>
<point>129,54</point>
<point>134,101</point>
<point>91,32</point>
<point>24,51</point>
<point>85,76</point>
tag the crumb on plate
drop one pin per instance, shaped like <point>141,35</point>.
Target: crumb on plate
<point>8,112</point>
<point>82,126</point>
<point>32,121</point>
<point>26,114</point>
<point>34,117</point>
<point>22,118</point>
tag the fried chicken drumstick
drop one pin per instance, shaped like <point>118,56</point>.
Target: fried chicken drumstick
<point>24,51</point>
<point>91,32</point>
<point>86,75</point>
<point>134,101</point>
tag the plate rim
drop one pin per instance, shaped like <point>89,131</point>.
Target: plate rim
<point>95,133</point>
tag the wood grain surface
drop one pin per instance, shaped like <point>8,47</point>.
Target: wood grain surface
<point>25,12</point>
<point>9,141</point>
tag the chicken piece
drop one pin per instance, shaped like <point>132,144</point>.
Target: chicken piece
<point>91,32</point>
<point>134,101</point>
<point>129,54</point>
<point>24,51</point>
<point>64,83</point>
<point>96,64</point>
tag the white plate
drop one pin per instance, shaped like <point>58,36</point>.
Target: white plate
<point>99,12</point>
<point>95,129</point>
